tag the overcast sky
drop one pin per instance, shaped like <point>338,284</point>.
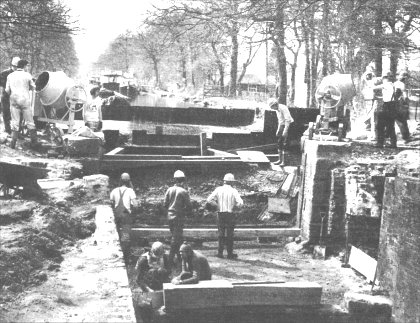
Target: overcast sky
<point>101,21</point>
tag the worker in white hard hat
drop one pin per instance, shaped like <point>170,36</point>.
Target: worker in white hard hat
<point>227,199</point>
<point>284,119</point>
<point>152,268</point>
<point>178,203</point>
<point>4,96</point>
<point>195,267</point>
<point>123,199</point>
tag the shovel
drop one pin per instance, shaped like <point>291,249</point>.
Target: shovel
<point>319,250</point>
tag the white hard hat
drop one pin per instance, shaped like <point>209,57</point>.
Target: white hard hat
<point>179,174</point>
<point>125,177</point>
<point>272,102</point>
<point>157,249</point>
<point>15,61</point>
<point>229,177</point>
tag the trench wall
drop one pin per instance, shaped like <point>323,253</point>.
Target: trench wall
<point>399,248</point>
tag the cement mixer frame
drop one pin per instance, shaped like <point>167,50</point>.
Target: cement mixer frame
<point>54,90</point>
<point>332,94</point>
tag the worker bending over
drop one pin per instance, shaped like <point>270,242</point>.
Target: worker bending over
<point>227,198</point>
<point>153,268</point>
<point>195,267</point>
<point>284,119</point>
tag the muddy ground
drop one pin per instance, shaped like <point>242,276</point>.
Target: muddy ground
<point>38,233</point>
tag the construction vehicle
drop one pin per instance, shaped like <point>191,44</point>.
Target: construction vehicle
<point>332,95</point>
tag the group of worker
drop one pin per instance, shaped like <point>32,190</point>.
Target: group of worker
<point>388,104</point>
<point>154,266</point>
<point>16,86</point>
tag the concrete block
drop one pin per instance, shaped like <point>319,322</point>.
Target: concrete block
<point>367,305</point>
<point>82,146</point>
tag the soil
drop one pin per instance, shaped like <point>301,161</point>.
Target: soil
<point>47,230</point>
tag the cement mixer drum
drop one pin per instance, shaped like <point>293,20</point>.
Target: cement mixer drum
<point>337,89</point>
<point>75,98</point>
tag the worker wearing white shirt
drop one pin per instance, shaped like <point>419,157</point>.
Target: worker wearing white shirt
<point>227,198</point>
<point>386,114</point>
<point>284,120</point>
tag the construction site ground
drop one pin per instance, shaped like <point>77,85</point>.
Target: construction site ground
<point>53,229</point>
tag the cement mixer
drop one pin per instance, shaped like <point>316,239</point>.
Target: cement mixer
<point>332,95</point>
<point>57,97</point>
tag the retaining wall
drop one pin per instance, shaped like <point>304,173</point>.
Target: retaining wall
<point>199,116</point>
<point>399,248</point>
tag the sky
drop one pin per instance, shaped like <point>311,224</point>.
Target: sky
<point>100,22</point>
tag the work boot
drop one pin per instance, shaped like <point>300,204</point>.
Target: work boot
<point>232,256</point>
<point>280,162</point>
<point>34,139</point>
<point>15,135</point>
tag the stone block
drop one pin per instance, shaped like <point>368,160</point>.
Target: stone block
<point>83,146</point>
<point>368,305</point>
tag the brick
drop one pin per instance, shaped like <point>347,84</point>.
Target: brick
<point>367,305</point>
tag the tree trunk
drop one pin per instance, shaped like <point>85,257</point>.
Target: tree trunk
<point>156,69</point>
<point>234,61</point>
<point>183,65</point>
<point>219,66</point>
<point>325,39</point>
<point>281,56</point>
<point>378,36</point>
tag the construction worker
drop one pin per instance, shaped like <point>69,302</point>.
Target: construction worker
<point>367,84</point>
<point>386,113</point>
<point>284,119</point>
<point>402,106</point>
<point>19,86</point>
<point>123,199</point>
<point>5,98</point>
<point>195,267</point>
<point>178,203</point>
<point>227,198</point>
<point>153,268</point>
<point>92,112</point>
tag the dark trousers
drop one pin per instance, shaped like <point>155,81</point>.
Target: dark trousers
<point>401,118</point>
<point>5,104</point>
<point>386,123</point>
<point>225,226</point>
<point>176,226</point>
<point>281,141</point>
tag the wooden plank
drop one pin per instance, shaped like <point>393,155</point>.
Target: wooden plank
<point>142,157</point>
<point>212,233</point>
<point>287,184</point>
<point>220,293</point>
<point>217,152</point>
<point>260,147</point>
<point>115,151</point>
<point>249,156</point>
<point>362,263</point>
<point>278,205</point>
<point>125,163</point>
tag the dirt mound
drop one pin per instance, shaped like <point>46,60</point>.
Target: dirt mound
<point>36,245</point>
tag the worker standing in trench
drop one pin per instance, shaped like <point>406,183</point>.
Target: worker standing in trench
<point>122,199</point>
<point>227,198</point>
<point>284,119</point>
<point>178,203</point>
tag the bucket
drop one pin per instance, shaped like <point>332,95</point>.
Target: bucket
<point>51,88</point>
<point>343,83</point>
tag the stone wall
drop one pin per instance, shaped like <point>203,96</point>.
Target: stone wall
<point>399,248</point>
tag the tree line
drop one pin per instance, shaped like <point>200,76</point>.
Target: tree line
<point>196,41</point>
<point>39,31</point>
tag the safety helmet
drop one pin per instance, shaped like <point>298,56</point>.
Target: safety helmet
<point>15,61</point>
<point>229,177</point>
<point>272,102</point>
<point>179,174</point>
<point>125,177</point>
<point>157,249</point>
